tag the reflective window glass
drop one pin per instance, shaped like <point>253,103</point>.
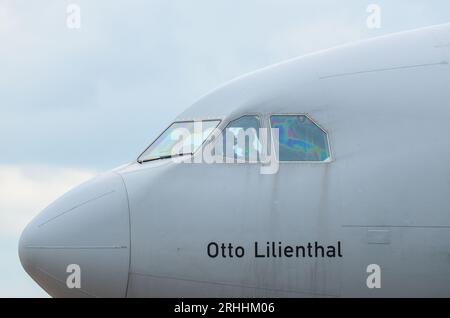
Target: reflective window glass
<point>241,139</point>
<point>300,139</point>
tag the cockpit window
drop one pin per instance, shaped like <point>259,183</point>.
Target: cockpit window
<point>180,138</point>
<point>300,139</point>
<point>241,139</point>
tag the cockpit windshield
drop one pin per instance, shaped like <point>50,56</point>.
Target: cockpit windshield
<point>180,138</point>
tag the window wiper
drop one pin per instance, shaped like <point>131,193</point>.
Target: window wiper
<point>166,157</point>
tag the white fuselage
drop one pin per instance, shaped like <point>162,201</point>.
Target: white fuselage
<point>143,230</point>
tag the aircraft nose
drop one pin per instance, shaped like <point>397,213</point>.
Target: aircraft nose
<point>79,246</point>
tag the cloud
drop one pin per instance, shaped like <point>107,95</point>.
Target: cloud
<point>25,191</point>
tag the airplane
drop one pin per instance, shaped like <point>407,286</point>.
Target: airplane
<point>359,186</point>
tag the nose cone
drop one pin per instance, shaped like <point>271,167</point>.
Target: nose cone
<point>79,246</point>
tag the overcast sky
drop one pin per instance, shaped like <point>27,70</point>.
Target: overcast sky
<point>74,102</point>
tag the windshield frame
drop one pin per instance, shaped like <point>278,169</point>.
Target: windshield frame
<point>219,121</point>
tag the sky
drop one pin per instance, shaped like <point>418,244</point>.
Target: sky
<point>78,101</point>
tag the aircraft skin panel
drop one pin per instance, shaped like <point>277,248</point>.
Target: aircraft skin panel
<point>382,158</point>
<point>414,261</point>
<point>163,287</point>
<point>257,217</point>
<point>87,227</point>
